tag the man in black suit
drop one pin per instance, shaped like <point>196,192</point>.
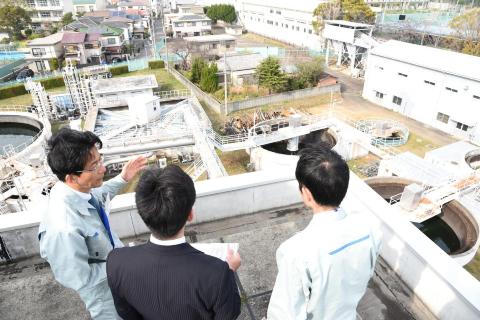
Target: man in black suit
<point>166,278</point>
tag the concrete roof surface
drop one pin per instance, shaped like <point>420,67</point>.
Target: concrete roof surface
<point>29,290</point>
<point>349,23</point>
<point>455,63</point>
<point>79,2</point>
<point>124,84</point>
<point>190,17</point>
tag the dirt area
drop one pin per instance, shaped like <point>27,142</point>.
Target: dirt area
<point>256,40</point>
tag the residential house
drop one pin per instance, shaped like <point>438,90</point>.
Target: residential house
<point>241,68</point>
<point>191,25</point>
<point>43,50</point>
<point>142,6</point>
<point>84,6</point>
<point>85,48</point>
<point>44,12</point>
<point>210,46</point>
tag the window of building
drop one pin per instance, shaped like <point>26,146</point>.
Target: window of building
<point>179,24</point>
<point>402,74</point>
<point>310,31</point>
<point>214,46</point>
<point>304,29</point>
<point>379,94</point>
<point>397,100</point>
<point>429,82</point>
<point>442,117</point>
<point>205,23</point>
<point>462,126</point>
<point>282,25</point>
<point>293,27</point>
<point>38,52</point>
<point>40,66</point>
<point>191,24</point>
<point>111,41</point>
<point>451,89</point>
<point>31,3</point>
<point>91,8</point>
<point>42,3</point>
<point>154,108</point>
<point>80,9</point>
<point>55,3</point>
<point>476,97</point>
<point>379,67</point>
<point>278,12</point>
<point>271,10</point>
<point>298,28</point>
<point>45,14</point>
<point>286,25</point>
<point>270,22</point>
<point>276,23</point>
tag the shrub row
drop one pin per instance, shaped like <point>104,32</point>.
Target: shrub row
<point>19,89</point>
<point>115,71</point>
<point>156,64</point>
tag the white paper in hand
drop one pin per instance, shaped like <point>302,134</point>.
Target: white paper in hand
<point>218,250</point>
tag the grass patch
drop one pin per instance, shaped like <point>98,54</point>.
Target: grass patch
<point>26,99</point>
<point>267,41</point>
<point>235,162</point>
<point>359,165</point>
<point>417,145</point>
<point>217,119</point>
<point>474,266</point>
<point>57,125</point>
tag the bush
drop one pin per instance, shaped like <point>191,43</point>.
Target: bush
<point>12,91</point>
<point>28,32</point>
<point>156,64</point>
<point>209,80</point>
<point>115,71</point>
<point>54,64</point>
<point>52,83</point>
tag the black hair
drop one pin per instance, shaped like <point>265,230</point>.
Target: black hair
<point>324,173</point>
<point>164,198</point>
<point>69,151</point>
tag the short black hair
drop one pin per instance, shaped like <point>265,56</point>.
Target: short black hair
<point>69,151</point>
<point>164,198</point>
<point>324,173</point>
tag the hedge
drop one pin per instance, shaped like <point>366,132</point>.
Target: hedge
<point>115,71</point>
<point>12,91</point>
<point>156,64</point>
<point>52,83</point>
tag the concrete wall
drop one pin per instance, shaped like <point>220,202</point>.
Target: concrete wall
<point>279,97</point>
<point>448,290</point>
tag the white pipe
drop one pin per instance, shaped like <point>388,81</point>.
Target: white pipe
<point>149,147</point>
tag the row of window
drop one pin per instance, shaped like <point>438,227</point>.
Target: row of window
<point>430,83</point>
<point>285,25</point>
<point>43,3</point>
<point>276,11</point>
<point>444,118</point>
<point>396,100</point>
<point>192,24</point>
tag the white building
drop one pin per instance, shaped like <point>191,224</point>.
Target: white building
<point>438,87</point>
<point>47,11</point>
<point>191,25</point>
<point>287,21</point>
<point>43,50</point>
<point>144,109</point>
<point>115,92</point>
<point>83,6</point>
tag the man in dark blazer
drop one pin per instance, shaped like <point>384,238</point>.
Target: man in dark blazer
<point>166,278</point>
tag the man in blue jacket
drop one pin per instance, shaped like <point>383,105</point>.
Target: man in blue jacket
<point>75,235</point>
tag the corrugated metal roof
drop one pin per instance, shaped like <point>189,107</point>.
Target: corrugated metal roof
<point>238,62</point>
<point>454,63</point>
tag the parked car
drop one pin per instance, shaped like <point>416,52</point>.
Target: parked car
<point>24,74</point>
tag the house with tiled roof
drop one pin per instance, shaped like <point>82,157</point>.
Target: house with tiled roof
<point>85,48</point>
<point>191,25</point>
<point>43,51</point>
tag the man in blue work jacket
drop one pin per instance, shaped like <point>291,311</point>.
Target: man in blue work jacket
<point>75,235</point>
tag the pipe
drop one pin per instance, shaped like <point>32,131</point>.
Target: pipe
<point>150,147</point>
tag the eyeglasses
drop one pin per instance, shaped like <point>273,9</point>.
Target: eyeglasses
<point>95,168</point>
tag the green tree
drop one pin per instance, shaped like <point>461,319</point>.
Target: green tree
<point>270,75</point>
<point>14,19</point>
<point>209,80</point>
<point>309,72</point>
<point>67,18</point>
<point>350,10</point>
<point>197,66</point>
<point>225,12</point>
<point>54,64</point>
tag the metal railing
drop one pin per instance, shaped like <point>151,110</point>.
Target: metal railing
<point>183,93</point>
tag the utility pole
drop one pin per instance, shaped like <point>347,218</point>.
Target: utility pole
<point>225,76</point>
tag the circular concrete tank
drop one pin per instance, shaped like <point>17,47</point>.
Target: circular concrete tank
<point>473,159</point>
<point>276,156</point>
<point>455,230</point>
<point>18,130</point>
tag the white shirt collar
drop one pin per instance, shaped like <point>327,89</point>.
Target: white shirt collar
<point>331,215</point>
<point>83,195</point>
<point>173,242</point>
